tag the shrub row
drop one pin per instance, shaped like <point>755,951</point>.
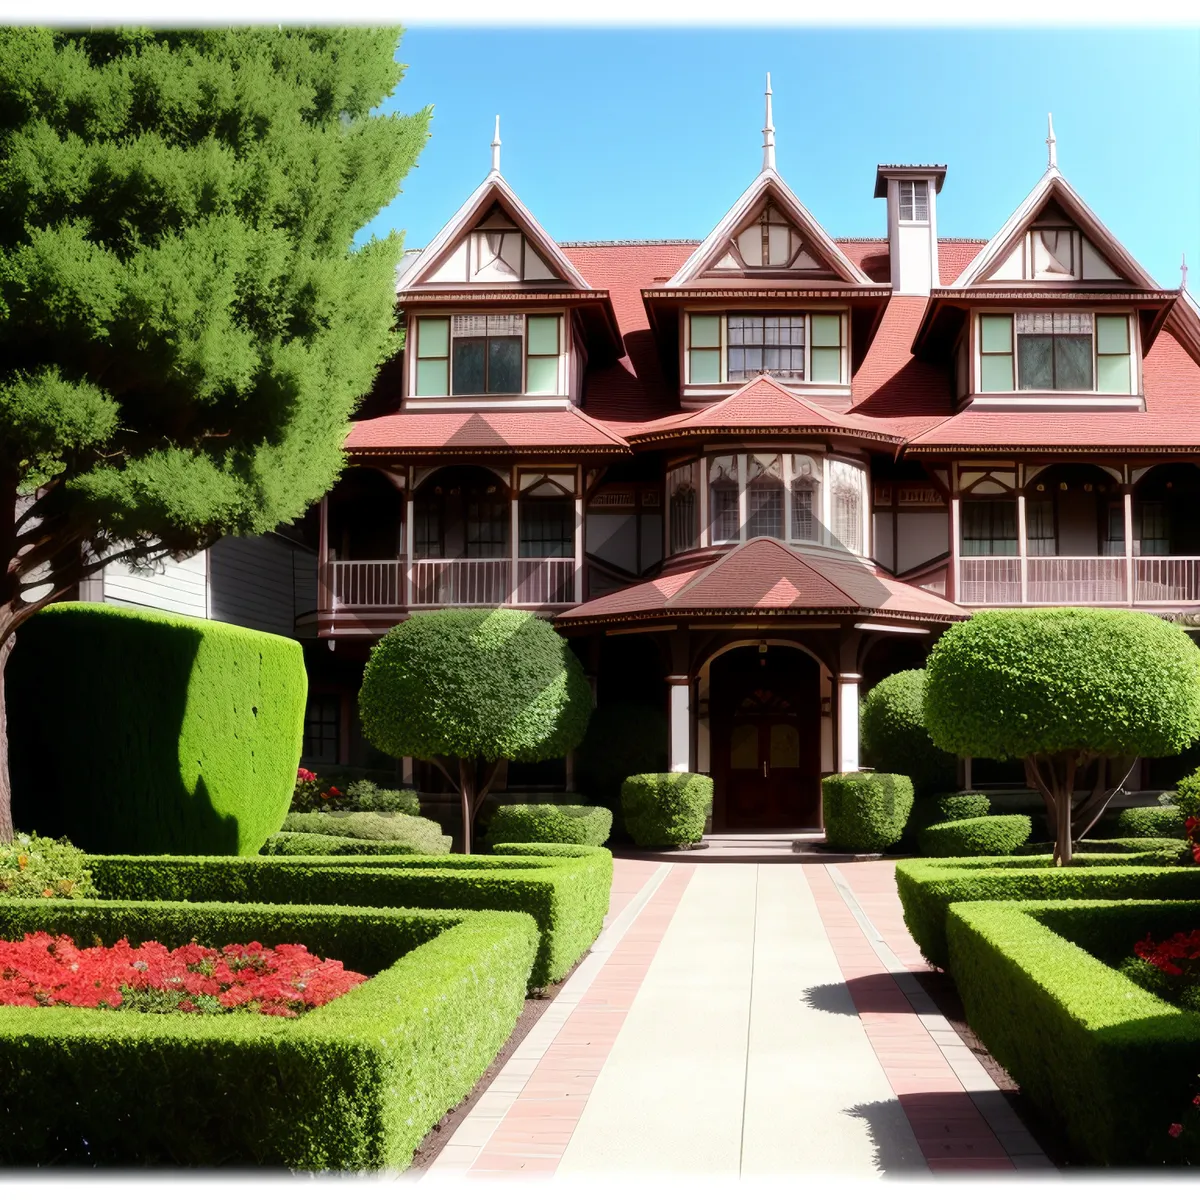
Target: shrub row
<point>422,835</point>
<point>309,845</point>
<point>928,887</point>
<point>865,812</point>
<point>669,809</point>
<point>1113,1062</point>
<point>1157,821</point>
<point>561,824</point>
<point>354,1085</point>
<point>974,836</point>
<point>567,894</point>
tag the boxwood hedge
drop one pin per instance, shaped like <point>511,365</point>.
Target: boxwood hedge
<point>354,1085</point>
<point>1156,821</point>
<point>1114,1062</point>
<point>667,809</point>
<point>322,844</point>
<point>423,835</point>
<point>894,737</point>
<point>993,836</point>
<point>928,887</point>
<point>865,812</point>
<point>563,824</point>
<point>566,893</point>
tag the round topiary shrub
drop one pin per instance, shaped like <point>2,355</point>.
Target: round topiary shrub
<point>666,809</point>
<point>134,732</point>
<point>865,812</point>
<point>894,737</point>
<point>565,824</point>
<point>975,836</point>
<point>1151,821</point>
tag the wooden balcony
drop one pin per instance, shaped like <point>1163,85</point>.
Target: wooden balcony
<point>994,581</point>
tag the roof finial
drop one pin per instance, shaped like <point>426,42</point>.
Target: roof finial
<point>496,147</point>
<point>769,133</point>
<point>1052,143</point>
<point>1183,274</point>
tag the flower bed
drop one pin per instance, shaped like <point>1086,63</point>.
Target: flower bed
<point>45,971</point>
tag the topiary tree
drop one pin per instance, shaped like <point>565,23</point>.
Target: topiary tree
<point>185,324</point>
<point>1069,691</point>
<point>894,737</point>
<point>471,689</point>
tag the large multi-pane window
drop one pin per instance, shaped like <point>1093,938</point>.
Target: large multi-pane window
<point>764,495</point>
<point>462,514</point>
<point>1055,351</point>
<point>723,492</point>
<point>480,354</point>
<point>792,347</point>
<point>806,498</point>
<point>989,527</point>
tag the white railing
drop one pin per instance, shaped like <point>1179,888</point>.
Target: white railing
<point>989,579</point>
<point>1158,579</point>
<point>545,581</point>
<point>364,583</point>
<point>1091,580</point>
<point>478,582</point>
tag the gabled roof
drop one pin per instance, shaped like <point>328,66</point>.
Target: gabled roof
<point>765,576</point>
<point>768,185</point>
<point>493,190</point>
<point>1053,187</point>
<point>762,406</point>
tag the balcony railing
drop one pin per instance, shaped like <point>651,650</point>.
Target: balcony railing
<point>996,580</point>
<point>450,582</point>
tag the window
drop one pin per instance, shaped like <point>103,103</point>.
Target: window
<point>764,496</point>
<point>914,200</point>
<point>806,491</point>
<point>322,719</point>
<point>771,345</point>
<point>684,518</point>
<point>1154,530</point>
<point>1055,351</point>
<point>461,518</point>
<point>546,527</point>
<point>704,349</point>
<point>826,348</point>
<point>989,527</point>
<point>1039,528</point>
<point>723,523</point>
<point>487,517</point>
<point>847,488</point>
<point>488,354</point>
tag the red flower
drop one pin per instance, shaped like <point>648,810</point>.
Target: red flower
<point>1175,1129</point>
<point>334,792</point>
<point>304,775</point>
<point>1190,824</point>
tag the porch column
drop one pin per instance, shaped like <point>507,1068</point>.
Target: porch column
<point>848,722</point>
<point>579,532</point>
<point>1023,546</point>
<point>409,565</point>
<point>679,748</point>
<point>1127,497</point>
<point>323,567</point>
<point>955,543</point>
<point>514,587</point>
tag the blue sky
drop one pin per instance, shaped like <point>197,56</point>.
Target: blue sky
<point>645,133</point>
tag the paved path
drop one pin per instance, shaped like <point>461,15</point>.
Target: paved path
<point>743,1020</point>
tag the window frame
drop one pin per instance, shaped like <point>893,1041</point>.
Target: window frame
<point>912,218</point>
<point>320,699</point>
<point>722,346</point>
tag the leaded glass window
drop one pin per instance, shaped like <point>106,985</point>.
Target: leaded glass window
<point>806,492</point>
<point>683,511</point>
<point>847,488</point>
<point>723,522</point>
<point>487,354</point>
<point>1054,351</point>
<point>764,496</point>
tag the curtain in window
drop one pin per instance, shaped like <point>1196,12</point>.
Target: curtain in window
<point>989,527</point>
<point>546,527</point>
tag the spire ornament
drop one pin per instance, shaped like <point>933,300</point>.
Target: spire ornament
<point>769,133</point>
<point>1051,144</point>
<point>1183,273</point>
<point>496,147</point>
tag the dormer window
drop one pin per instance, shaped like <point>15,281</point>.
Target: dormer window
<point>792,347</point>
<point>488,354</point>
<point>1056,352</point>
<point>914,200</point>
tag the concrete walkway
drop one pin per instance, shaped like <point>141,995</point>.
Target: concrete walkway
<point>743,1019</point>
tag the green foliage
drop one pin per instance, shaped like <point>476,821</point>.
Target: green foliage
<point>1187,795</point>
<point>894,737</point>
<point>928,888</point>
<point>1114,1064</point>
<point>424,836</point>
<point>1142,851</point>
<point>354,1085</point>
<point>352,795</point>
<point>308,845</point>
<point>32,866</point>
<point>575,824</point>
<point>185,326</point>
<point>975,836</point>
<point>865,812</point>
<point>1016,683</point>
<point>465,683</point>
<point>146,733</point>
<point>934,810</point>
<point>565,889</point>
<point>621,740</point>
<point>1157,821</point>
<point>667,809</point>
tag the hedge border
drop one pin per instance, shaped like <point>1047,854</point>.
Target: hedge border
<point>546,824</point>
<point>928,887</point>
<point>353,1085</point>
<point>1113,1061</point>
<point>565,889</point>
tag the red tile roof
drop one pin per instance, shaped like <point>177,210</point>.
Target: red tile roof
<point>765,576</point>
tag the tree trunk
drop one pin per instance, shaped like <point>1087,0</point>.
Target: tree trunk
<point>466,794</point>
<point>6,821</point>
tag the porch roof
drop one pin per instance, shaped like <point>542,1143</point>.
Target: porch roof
<point>765,576</point>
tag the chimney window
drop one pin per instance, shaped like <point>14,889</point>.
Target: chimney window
<point>914,200</point>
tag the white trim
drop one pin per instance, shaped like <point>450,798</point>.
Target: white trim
<point>487,402</point>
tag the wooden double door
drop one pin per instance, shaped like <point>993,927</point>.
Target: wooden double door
<point>766,740</point>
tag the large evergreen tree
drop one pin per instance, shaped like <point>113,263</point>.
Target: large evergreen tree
<point>185,326</point>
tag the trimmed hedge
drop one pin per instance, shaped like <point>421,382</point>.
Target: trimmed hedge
<point>1157,821</point>
<point>143,733</point>
<point>927,887</point>
<point>975,836</point>
<point>666,809</point>
<point>1167,852</point>
<point>569,824</point>
<point>621,740</point>
<point>1187,795</point>
<point>865,812</point>
<point>423,835</point>
<point>353,1085</point>
<point>1114,1062</point>
<point>565,889</point>
<point>320,845</point>
<point>894,737</point>
<point>953,806</point>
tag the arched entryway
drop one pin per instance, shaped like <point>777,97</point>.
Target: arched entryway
<point>765,714</point>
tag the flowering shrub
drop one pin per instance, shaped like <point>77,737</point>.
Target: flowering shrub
<point>1191,825</point>
<point>33,867</point>
<point>314,794</point>
<point>43,970</point>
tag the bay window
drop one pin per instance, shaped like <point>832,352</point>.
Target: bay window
<point>1055,352</point>
<point>683,511</point>
<point>724,523</point>
<point>764,496</point>
<point>847,493</point>
<point>792,347</point>
<point>479,354</point>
